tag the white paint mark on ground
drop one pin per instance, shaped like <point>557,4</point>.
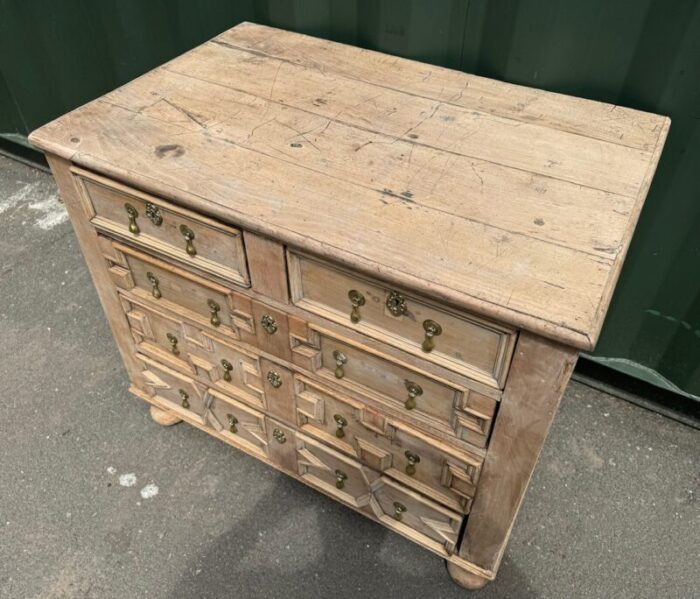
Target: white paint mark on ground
<point>127,480</point>
<point>111,470</point>
<point>149,491</point>
<point>41,198</point>
<point>21,196</point>
<point>52,213</point>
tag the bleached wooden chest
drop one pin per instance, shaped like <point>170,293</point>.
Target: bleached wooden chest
<point>372,274</point>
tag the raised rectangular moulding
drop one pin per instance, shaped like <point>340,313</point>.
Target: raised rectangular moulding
<point>435,469</point>
<point>179,392</point>
<point>188,295</point>
<point>237,423</point>
<point>195,350</point>
<point>348,481</point>
<point>411,393</point>
<point>454,339</point>
<point>152,223</point>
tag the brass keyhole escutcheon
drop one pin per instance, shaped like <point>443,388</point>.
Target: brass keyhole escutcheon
<point>279,436</point>
<point>269,323</point>
<point>356,300</point>
<point>155,289</point>
<point>188,234</point>
<point>214,312</point>
<point>132,215</point>
<point>184,399</point>
<point>275,379</point>
<point>399,510</point>
<point>396,303</point>
<point>228,367</point>
<point>340,424</point>
<point>414,390</point>
<point>153,214</point>
<point>413,459</point>
<point>232,422</point>
<point>340,361</point>
<point>172,340</point>
<point>340,478</point>
<point>432,329</point>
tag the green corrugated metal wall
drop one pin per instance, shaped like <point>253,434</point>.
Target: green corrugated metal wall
<point>644,54</point>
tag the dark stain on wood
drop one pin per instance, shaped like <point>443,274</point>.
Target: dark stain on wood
<point>173,150</point>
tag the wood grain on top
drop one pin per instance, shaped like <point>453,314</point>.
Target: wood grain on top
<point>515,203</point>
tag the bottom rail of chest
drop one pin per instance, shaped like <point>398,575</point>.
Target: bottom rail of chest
<point>353,484</point>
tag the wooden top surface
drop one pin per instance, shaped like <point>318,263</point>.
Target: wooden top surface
<point>512,202</point>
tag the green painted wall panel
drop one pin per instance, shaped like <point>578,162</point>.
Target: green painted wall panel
<point>644,54</point>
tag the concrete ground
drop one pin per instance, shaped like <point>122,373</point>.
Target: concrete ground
<point>97,501</point>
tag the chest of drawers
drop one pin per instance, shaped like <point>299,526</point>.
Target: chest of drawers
<point>372,274</point>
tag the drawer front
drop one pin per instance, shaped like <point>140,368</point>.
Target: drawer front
<point>415,516</point>
<point>239,424</point>
<point>212,306</point>
<point>196,351</point>
<point>385,500</point>
<point>387,445</point>
<point>461,342</point>
<point>339,476</point>
<point>178,290</point>
<point>152,223</point>
<point>415,395</point>
<point>181,393</point>
<point>235,422</point>
<point>346,480</point>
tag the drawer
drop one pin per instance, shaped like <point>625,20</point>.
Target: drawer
<point>239,424</point>
<point>461,342</point>
<point>189,238</point>
<point>195,351</point>
<point>338,475</point>
<point>211,305</point>
<point>412,394</point>
<point>415,516</point>
<point>364,489</point>
<point>179,392</point>
<point>389,446</point>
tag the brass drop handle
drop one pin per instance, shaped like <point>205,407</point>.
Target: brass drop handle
<point>153,214</point>
<point>413,459</point>
<point>232,422</point>
<point>356,300</point>
<point>214,312</point>
<point>279,436</point>
<point>188,234</point>
<point>340,424</point>
<point>228,367</point>
<point>132,214</point>
<point>172,340</point>
<point>432,329</point>
<point>340,478</point>
<point>414,390</point>
<point>155,289</point>
<point>269,323</point>
<point>275,379</point>
<point>396,303</point>
<point>399,509</point>
<point>184,399</point>
<point>340,361</point>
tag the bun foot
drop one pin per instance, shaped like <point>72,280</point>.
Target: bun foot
<point>164,418</point>
<point>465,578</point>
